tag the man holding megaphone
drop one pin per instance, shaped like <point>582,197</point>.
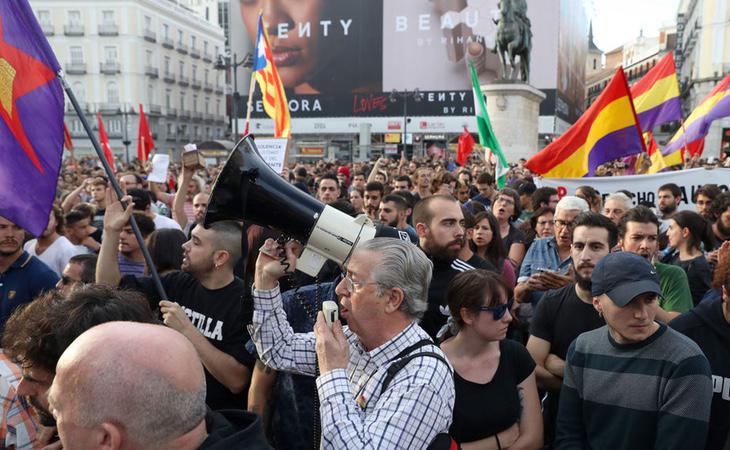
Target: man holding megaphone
<point>382,294</point>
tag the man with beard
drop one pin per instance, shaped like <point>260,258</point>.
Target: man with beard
<point>38,334</point>
<point>200,204</point>
<point>374,192</point>
<point>704,196</point>
<point>424,176</point>
<point>439,223</point>
<point>668,198</point>
<point>203,301</point>
<point>131,260</point>
<point>563,314</point>
<point>721,210</point>
<point>328,190</point>
<point>639,233</point>
<point>22,275</point>
<point>394,212</point>
<point>52,247</point>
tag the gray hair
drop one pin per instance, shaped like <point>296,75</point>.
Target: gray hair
<point>621,197</point>
<point>152,409</point>
<point>405,266</point>
<point>571,203</point>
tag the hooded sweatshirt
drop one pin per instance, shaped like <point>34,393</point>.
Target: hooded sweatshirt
<point>232,430</point>
<point>706,325</point>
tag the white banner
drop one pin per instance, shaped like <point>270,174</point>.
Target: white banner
<point>273,151</point>
<point>644,187</point>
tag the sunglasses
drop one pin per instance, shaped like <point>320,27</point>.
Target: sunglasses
<point>499,310</point>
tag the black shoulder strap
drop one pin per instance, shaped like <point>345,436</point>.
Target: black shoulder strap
<point>403,358</point>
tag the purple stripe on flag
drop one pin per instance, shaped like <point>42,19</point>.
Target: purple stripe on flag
<point>699,128</point>
<point>668,111</point>
<point>620,143</point>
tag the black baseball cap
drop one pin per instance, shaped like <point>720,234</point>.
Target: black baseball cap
<point>622,276</point>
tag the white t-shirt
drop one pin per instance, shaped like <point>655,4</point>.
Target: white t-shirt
<point>57,255</point>
<point>165,222</point>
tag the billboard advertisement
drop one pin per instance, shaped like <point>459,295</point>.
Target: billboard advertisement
<point>343,58</point>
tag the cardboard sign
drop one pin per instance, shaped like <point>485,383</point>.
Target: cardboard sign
<point>273,151</point>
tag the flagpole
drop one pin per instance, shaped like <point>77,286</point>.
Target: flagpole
<point>115,185</point>
<point>249,105</point>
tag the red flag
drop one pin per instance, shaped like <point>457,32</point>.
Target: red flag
<point>466,145</point>
<point>145,144</point>
<point>104,140</point>
<point>695,148</point>
<point>67,142</point>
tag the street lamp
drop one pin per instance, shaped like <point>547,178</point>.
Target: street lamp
<point>125,137</point>
<point>417,96</point>
<point>225,62</point>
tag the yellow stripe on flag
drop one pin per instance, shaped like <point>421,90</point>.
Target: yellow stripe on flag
<point>663,90</point>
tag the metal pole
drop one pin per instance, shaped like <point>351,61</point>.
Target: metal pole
<point>115,185</point>
<point>405,120</point>
<point>125,138</point>
<point>234,108</point>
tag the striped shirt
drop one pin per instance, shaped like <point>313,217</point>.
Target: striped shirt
<point>653,394</point>
<point>17,427</point>
<point>417,405</point>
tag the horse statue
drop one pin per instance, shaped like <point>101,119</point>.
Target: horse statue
<point>514,38</point>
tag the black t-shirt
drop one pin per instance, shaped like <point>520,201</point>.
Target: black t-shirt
<point>514,236</point>
<point>217,314</point>
<point>561,316</point>
<point>483,410</point>
<point>699,275</point>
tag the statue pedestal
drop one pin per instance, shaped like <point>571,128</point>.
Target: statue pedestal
<point>514,109</point>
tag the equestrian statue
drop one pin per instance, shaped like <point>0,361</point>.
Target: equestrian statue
<point>514,38</point>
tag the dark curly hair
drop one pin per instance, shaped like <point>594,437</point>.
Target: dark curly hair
<point>38,333</point>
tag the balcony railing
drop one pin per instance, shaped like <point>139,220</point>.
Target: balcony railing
<point>155,110</point>
<point>149,35</point>
<point>209,117</point>
<point>182,48</point>
<point>73,29</point>
<point>168,77</point>
<point>197,115</point>
<point>219,89</point>
<point>184,114</point>
<point>110,67</point>
<point>76,68</point>
<point>151,71</point>
<point>183,80</point>
<point>167,42</point>
<point>48,29</point>
<point>108,29</point>
<point>196,84</point>
<point>194,53</point>
<point>171,112</point>
<point>208,87</point>
<point>207,57</point>
<point>110,108</point>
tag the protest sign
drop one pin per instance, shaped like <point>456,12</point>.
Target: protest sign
<point>273,151</point>
<point>160,163</point>
<point>644,187</point>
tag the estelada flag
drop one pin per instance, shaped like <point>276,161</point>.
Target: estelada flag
<point>608,130</point>
<point>466,145</point>
<point>714,106</point>
<point>67,142</point>
<point>272,89</point>
<point>31,113</point>
<point>145,144</point>
<point>104,141</point>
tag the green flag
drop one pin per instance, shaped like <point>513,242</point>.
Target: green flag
<point>486,134</point>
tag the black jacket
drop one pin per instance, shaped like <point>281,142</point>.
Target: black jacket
<point>706,325</point>
<point>233,429</point>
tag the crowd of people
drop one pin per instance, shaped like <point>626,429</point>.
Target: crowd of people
<point>508,318</point>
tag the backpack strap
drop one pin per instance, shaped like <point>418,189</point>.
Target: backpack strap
<point>403,358</point>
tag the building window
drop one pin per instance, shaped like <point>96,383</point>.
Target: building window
<point>192,42</point>
<point>165,31</point>
<point>110,54</point>
<point>168,98</point>
<point>205,47</point>
<point>112,92</point>
<point>207,105</point>
<point>74,17</point>
<point>80,92</point>
<point>115,126</point>
<point>44,17</point>
<point>180,37</point>
<point>195,103</point>
<point>218,107</point>
<point>594,63</point>
<point>182,68</point>
<point>147,22</point>
<point>207,76</point>
<point>195,72</point>
<point>77,55</point>
<point>149,57</point>
<point>170,129</point>
<point>107,17</point>
<point>167,65</point>
<point>182,101</point>
<point>150,94</point>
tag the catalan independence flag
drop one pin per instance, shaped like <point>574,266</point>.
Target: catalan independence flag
<point>272,89</point>
<point>31,119</point>
<point>656,95</point>
<point>712,107</point>
<point>608,130</point>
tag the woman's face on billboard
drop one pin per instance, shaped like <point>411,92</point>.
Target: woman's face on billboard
<point>294,30</point>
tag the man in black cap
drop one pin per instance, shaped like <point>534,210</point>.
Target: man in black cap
<point>635,383</point>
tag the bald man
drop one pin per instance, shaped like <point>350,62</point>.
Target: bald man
<point>154,400</point>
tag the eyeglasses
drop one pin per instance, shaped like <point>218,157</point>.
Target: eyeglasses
<point>564,223</point>
<point>499,310</point>
<point>353,285</point>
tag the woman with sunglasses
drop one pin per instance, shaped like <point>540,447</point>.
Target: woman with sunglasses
<point>497,405</point>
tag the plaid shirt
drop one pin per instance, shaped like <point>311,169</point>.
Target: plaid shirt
<point>416,406</point>
<point>17,427</point>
